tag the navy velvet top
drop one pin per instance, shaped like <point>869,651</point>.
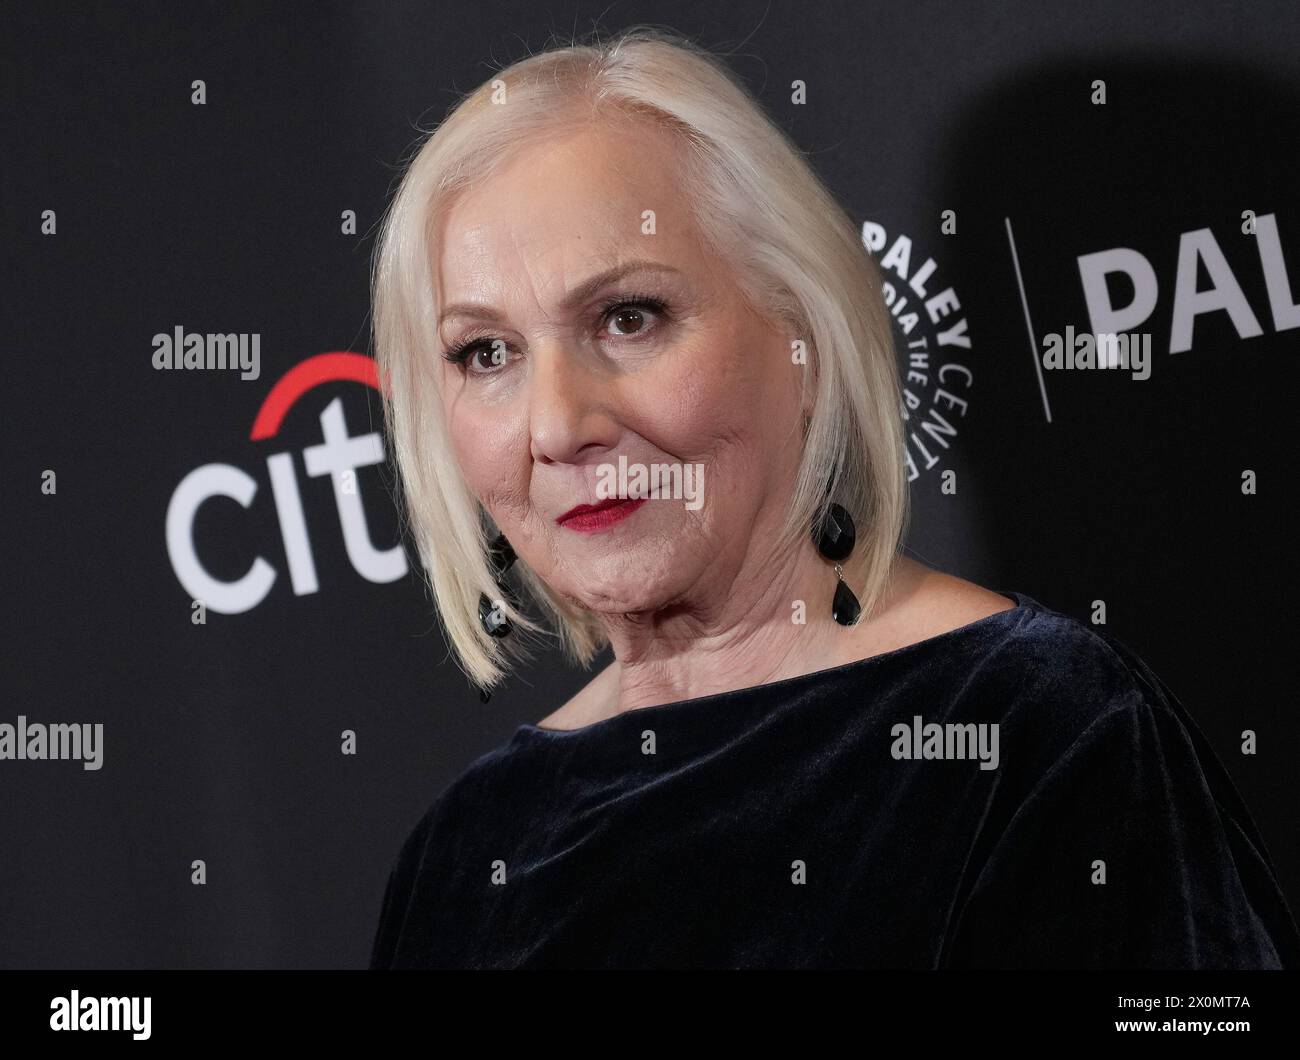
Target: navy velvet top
<point>810,822</point>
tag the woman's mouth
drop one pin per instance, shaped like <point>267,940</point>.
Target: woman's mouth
<point>590,518</point>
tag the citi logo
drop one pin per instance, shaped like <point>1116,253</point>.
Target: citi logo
<point>338,456</point>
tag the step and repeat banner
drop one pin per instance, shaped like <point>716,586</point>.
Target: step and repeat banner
<point>1088,221</point>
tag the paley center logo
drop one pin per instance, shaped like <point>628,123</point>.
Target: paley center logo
<point>934,348</point>
<point>338,456</point>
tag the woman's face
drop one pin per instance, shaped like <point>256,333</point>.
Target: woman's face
<point>566,374</point>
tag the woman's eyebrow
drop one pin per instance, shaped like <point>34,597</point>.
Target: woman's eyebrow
<point>581,293</point>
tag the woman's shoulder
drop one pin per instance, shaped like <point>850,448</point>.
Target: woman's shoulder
<point>1054,684</point>
<point>1016,652</point>
<point>1101,763</point>
<point>1060,678</point>
<point>1080,696</point>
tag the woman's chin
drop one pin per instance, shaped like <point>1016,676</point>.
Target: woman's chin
<point>620,598</point>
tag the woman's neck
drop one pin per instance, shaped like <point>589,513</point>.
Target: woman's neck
<point>764,625</point>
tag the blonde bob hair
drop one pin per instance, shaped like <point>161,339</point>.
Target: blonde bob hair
<point>757,203</point>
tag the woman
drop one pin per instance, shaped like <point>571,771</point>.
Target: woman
<point>637,359</point>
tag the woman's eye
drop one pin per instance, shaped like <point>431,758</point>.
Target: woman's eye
<point>480,356</point>
<point>627,321</point>
<point>487,356</point>
<point>629,318</point>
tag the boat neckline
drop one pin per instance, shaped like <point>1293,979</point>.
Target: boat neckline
<point>1023,602</point>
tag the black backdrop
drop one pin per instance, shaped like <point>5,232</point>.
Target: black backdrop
<point>223,740</point>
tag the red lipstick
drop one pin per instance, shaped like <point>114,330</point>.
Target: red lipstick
<point>590,518</point>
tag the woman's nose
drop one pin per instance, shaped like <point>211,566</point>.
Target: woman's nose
<point>568,404</point>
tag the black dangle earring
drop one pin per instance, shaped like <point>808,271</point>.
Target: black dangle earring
<point>835,537</point>
<point>501,556</point>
